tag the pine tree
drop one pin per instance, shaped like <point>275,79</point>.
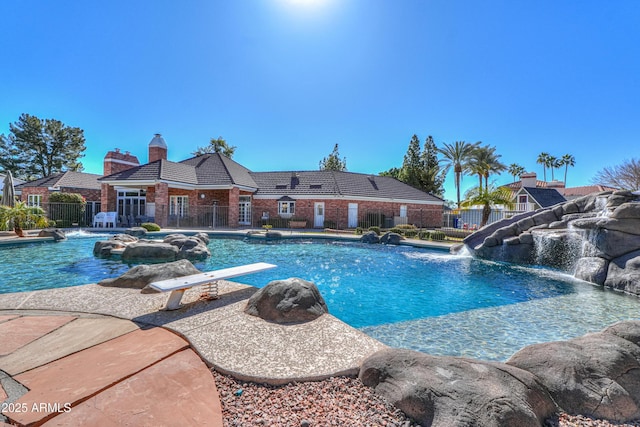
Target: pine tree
<point>333,161</point>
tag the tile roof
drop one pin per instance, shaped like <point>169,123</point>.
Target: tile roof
<point>545,197</point>
<point>68,179</point>
<point>217,169</point>
<point>208,169</point>
<point>336,183</point>
<point>586,189</point>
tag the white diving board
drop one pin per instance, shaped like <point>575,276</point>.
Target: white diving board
<point>179,285</point>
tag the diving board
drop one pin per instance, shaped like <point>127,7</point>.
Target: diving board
<point>179,285</point>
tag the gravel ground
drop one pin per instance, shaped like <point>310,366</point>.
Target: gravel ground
<point>339,401</point>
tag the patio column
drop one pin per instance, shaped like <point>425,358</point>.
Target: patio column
<point>234,207</point>
<point>162,203</point>
<point>108,198</point>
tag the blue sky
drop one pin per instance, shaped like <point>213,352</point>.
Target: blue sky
<point>285,80</point>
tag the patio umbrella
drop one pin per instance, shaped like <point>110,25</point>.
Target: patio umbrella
<point>8,192</point>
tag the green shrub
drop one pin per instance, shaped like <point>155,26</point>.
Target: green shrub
<point>397,230</point>
<point>150,226</point>
<point>66,198</point>
<point>359,230</point>
<point>406,226</point>
<point>411,233</point>
<point>424,235</point>
<point>437,235</point>
<point>375,229</point>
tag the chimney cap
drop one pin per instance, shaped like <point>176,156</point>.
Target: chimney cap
<point>158,141</point>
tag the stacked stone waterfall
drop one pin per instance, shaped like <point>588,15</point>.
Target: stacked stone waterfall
<point>595,237</point>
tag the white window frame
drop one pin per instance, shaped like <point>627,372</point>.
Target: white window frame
<point>34,200</point>
<point>178,205</point>
<point>287,208</point>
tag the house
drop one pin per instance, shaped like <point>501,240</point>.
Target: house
<point>213,190</point>
<point>37,192</point>
<point>529,180</point>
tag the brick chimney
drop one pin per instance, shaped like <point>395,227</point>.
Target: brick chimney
<point>157,148</point>
<point>116,161</point>
<point>529,179</point>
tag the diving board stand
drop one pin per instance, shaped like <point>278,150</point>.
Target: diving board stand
<point>179,285</point>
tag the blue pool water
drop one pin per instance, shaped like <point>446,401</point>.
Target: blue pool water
<point>400,295</point>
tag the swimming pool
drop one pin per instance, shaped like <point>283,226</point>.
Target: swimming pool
<point>408,297</point>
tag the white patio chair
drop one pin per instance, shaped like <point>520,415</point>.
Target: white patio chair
<point>111,218</point>
<point>99,219</point>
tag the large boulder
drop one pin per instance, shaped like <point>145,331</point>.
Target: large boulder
<point>624,273</point>
<point>136,231</point>
<point>370,237</point>
<point>596,374</point>
<point>454,391</point>
<point>150,251</point>
<point>192,248</point>
<point>140,276</point>
<point>390,238</point>
<point>292,300</point>
<point>56,233</point>
<point>103,248</point>
<point>592,269</point>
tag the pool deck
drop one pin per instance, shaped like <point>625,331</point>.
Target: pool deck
<point>55,341</point>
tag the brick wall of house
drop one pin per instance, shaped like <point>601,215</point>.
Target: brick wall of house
<point>161,199</point>
<point>337,211</point>
<point>89,195</point>
<point>42,191</point>
<point>107,198</point>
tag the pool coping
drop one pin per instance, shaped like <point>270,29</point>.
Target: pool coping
<point>8,240</point>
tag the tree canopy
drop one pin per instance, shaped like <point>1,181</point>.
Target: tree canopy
<point>420,169</point>
<point>37,148</point>
<point>333,162</point>
<point>216,145</point>
<point>625,176</point>
<point>487,197</point>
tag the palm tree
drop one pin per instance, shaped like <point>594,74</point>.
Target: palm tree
<point>543,160</point>
<point>456,155</point>
<point>488,198</point>
<point>567,160</point>
<point>515,170</point>
<point>484,161</point>
<point>553,163</point>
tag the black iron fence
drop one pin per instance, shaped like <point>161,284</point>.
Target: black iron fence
<point>67,215</point>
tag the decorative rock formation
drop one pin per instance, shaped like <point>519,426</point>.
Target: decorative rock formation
<point>597,237</point>
<point>150,251</point>
<point>287,301</point>
<point>103,248</point>
<point>391,238</point>
<point>447,391</point>
<point>56,233</point>
<point>136,231</point>
<point>193,248</point>
<point>596,374</point>
<point>370,237</point>
<point>141,275</point>
<point>173,247</point>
